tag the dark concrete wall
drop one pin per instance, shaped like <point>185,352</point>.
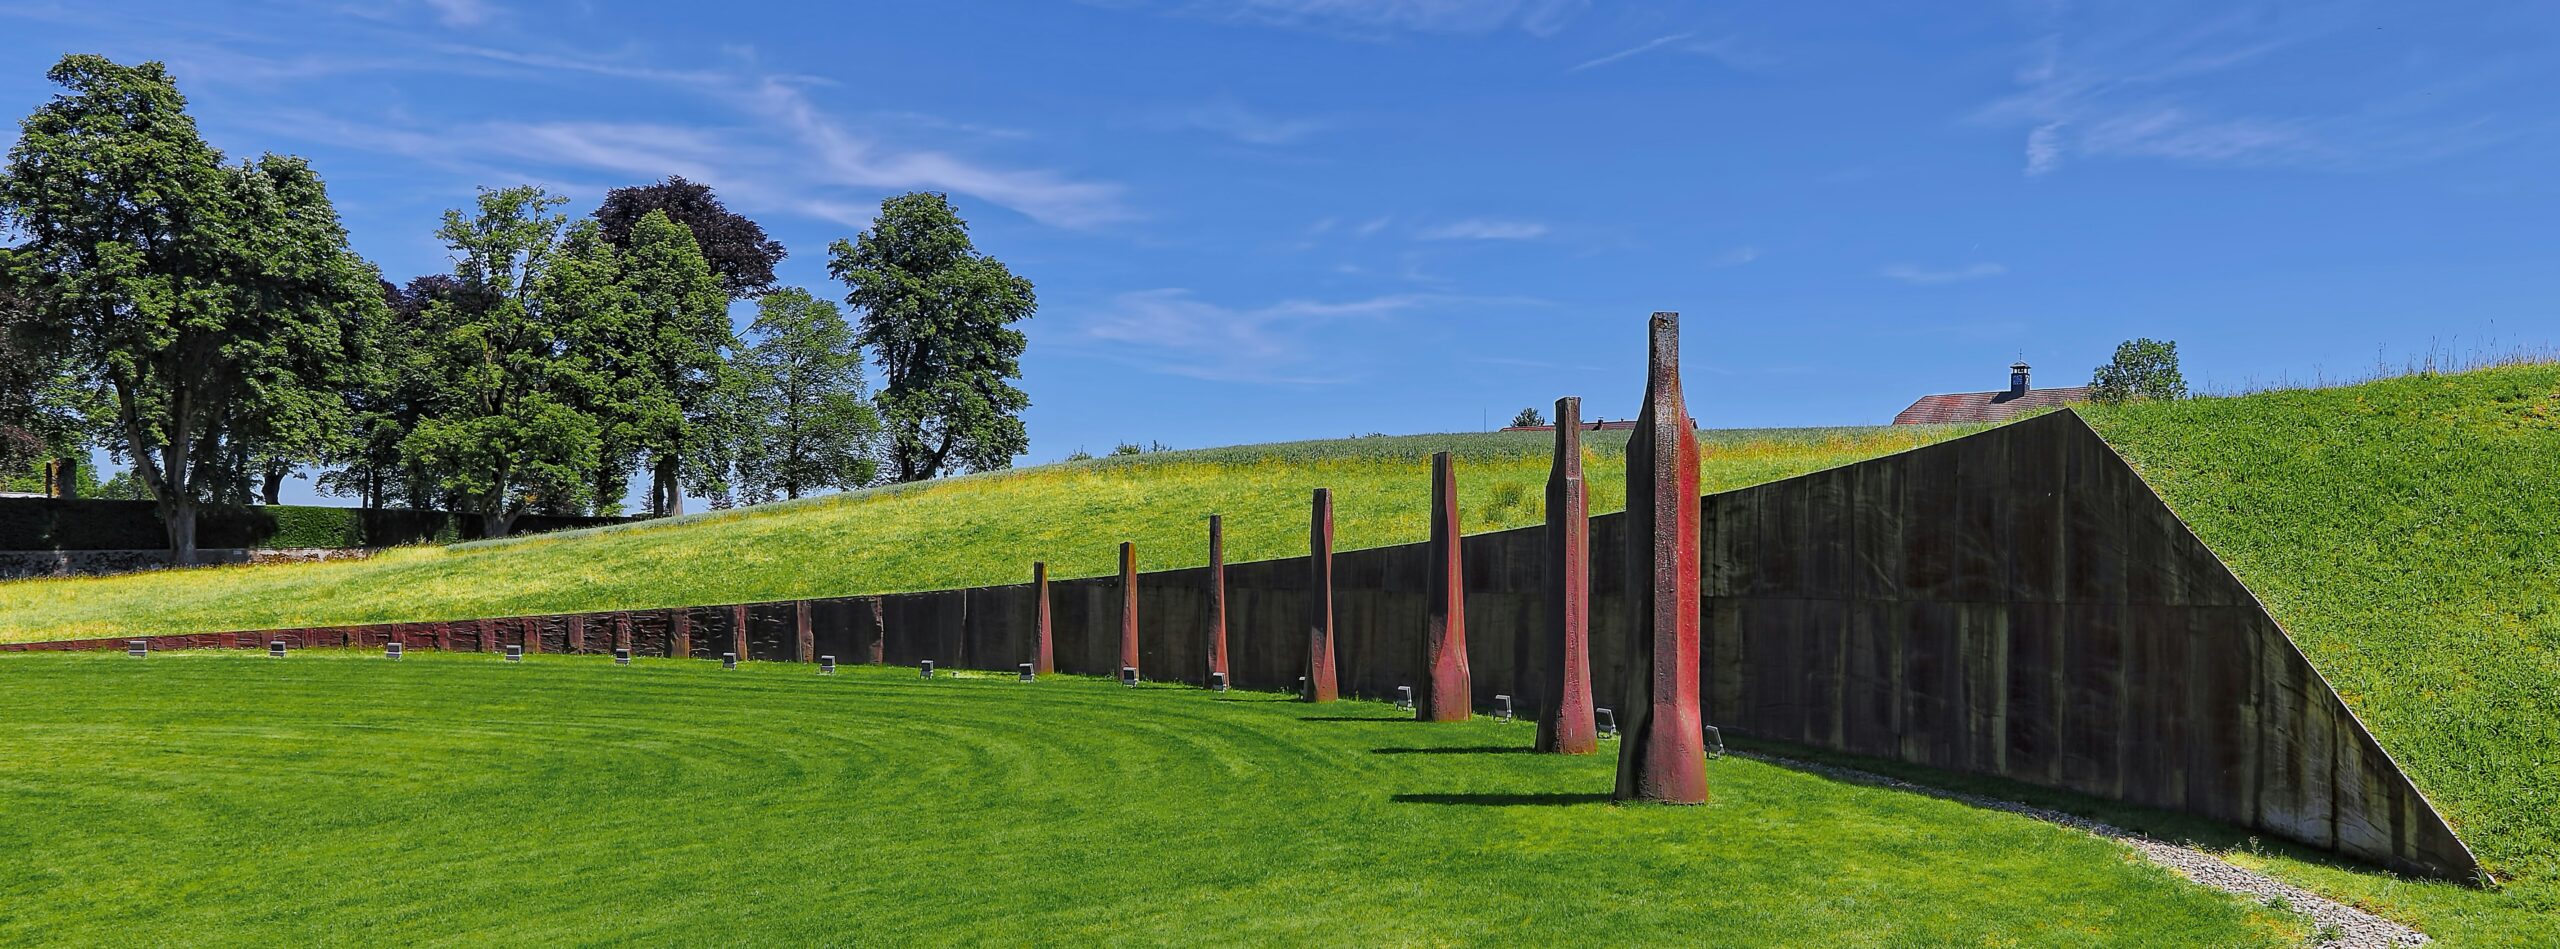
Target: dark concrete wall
<point>2013,603</point>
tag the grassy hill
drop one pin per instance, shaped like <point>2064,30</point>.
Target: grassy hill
<point>957,532</point>
<point>335,798</point>
<point>2406,532</point>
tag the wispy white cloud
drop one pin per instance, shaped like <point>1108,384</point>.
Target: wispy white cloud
<point>1374,18</point>
<point>1233,120</point>
<point>1485,229</point>
<point>460,13</point>
<point>2139,82</point>
<point>1734,258</point>
<point>1174,332</point>
<point>1636,50</point>
<point>774,147</point>
<point>1726,51</point>
<point>1916,274</point>
<point>2044,148</point>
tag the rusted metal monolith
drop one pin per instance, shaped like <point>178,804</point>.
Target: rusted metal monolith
<point>576,639</point>
<point>679,633</point>
<point>1564,712</point>
<point>1320,684</point>
<point>1217,596</point>
<point>1044,657</point>
<point>1664,760</point>
<point>1128,605</point>
<point>621,629</point>
<point>738,631</point>
<point>804,637</point>
<point>1449,695</point>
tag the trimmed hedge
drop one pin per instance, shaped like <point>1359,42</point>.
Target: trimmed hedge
<point>56,524</point>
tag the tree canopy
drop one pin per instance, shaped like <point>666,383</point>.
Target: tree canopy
<point>812,424</point>
<point>2142,369</point>
<point>939,316</point>
<point>509,430</point>
<point>206,303</point>
<point>735,247</point>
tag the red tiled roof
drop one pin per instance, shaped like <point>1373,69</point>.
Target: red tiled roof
<point>1985,406</point>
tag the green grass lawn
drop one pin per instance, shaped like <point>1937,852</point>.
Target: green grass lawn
<point>2407,534</point>
<point>959,532</point>
<point>337,798</point>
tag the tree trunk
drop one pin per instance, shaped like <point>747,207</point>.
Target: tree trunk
<point>494,524</point>
<point>181,518</point>
<point>274,483</point>
<point>664,474</point>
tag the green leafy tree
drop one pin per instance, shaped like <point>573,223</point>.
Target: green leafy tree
<point>193,296</point>
<point>1528,418</point>
<point>668,350</point>
<point>813,425</point>
<point>939,316</point>
<point>388,395</point>
<point>2142,369</point>
<point>509,431</point>
<point>35,428</point>
<point>294,411</point>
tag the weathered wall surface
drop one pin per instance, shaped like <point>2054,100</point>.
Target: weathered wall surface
<point>2013,603</point>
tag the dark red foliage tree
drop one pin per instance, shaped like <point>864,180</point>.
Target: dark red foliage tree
<point>736,248</point>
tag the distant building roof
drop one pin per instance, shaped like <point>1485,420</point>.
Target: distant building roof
<point>1958,407</point>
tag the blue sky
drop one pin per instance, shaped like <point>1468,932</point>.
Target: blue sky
<point>1253,220</point>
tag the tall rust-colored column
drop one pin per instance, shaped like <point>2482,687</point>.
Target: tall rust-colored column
<point>1564,713</point>
<point>1044,656</point>
<point>622,629</point>
<point>577,637</point>
<point>1128,605</point>
<point>1664,760</point>
<point>1320,684</point>
<point>876,651</point>
<point>487,630</point>
<point>679,633</point>
<point>804,638</point>
<point>1217,596</point>
<point>738,630</point>
<point>1449,692</point>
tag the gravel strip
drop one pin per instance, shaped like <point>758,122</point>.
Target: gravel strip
<point>2336,925</point>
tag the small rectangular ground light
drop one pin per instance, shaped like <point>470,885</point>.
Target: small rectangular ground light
<point>515,654</point>
<point>1302,686</point>
<point>1129,676</point>
<point>1404,697</point>
<point>137,648</point>
<point>1217,682</point>
<point>1028,673</point>
<point>621,656</point>
<point>1608,722</point>
<point>1502,708</point>
<point>728,660</point>
<point>275,649</point>
<point>926,669</point>
<point>1715,742</point>
<point>826,665</point>
<point>391,651</point>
